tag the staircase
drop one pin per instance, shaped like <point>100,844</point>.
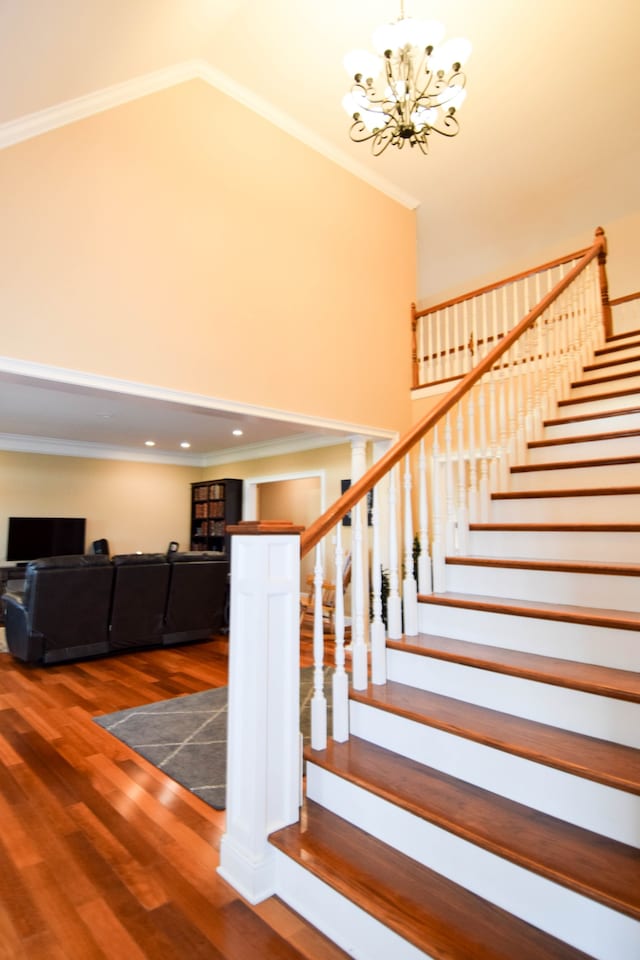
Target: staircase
<point>487,802</point>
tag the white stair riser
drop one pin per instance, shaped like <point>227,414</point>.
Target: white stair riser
<point>607,646</point>
<point>611,508</point>
<point>537,900</point>
<point>585,713</point>
<point>620,352</point>
<point>620,362</point>
<point>587,804</point>
<point>587,450</point>
<point>581,428</point>
<point>619,547</point>
<point>577,478</point>
<point>357,932</point>
<point>577,408</point>
<point>608,386</point>
<point>550,586</point>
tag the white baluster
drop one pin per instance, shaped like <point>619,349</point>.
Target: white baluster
<point>394,604</point>
<point>358,643</point>
<point>376,627</point>
<point>318,701</point>
<point>438,519</point>
<point>340,681</point>
<point>438,371</point>
<point>462,519</point>
<point>473,457</point>
<point>450,528</point>
<point>409,586</point>
<point>485,452</point>
<point>424,560</point>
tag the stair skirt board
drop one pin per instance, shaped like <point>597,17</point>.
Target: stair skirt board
<point>590,714</point>
<point>603,645</point>
<point>599,590</point>
<point>565,914</point>
<point>357,932</point>
<point>594,806</point>
<point>610,547</point>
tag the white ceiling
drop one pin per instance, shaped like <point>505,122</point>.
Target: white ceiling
<point>551,118</point>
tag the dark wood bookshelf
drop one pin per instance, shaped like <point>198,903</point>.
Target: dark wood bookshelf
<point>215,505</point>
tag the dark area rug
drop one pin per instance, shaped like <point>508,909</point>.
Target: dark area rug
<point>186,737</point>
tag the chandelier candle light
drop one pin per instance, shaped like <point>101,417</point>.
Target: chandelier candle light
<point>411,88</point>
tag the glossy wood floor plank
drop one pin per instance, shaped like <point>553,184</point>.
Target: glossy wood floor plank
<point>103,856</point>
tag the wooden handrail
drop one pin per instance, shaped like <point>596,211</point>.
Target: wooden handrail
<point>625,299</point>
<point>558,262</point>
<point>321,527</point>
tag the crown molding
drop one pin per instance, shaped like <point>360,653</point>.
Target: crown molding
<point>70,111</point>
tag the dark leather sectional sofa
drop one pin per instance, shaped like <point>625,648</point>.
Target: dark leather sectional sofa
<point>83,606</point>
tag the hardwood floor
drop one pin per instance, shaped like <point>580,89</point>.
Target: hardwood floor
<point>102,855</point>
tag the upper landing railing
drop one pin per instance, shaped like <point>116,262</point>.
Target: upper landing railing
<point>448,338</point>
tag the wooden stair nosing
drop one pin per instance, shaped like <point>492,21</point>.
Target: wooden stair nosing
<point>582,417</point>
<point>602,869</point>
<point>585,438</point>
<point>586,677</point>
<point>570,492</point>
<point>616,348</point>
<point>557,527</point>
<point>554,566</point>
<point>613,395</point>
<point>601,761</point>
<point>623,460</point>
<point>537,610</point>
<point>433,913</point>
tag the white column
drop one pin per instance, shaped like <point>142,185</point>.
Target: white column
<point>263,753</point>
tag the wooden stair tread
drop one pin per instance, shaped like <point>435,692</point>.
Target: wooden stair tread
<point>558,527</point>
<point>572,492</point>
<point>611,395</point>
<point>611,764</point>
<point>440,918</point>
<point>576,464</point>
<point>600,868</point>
<point>600,415</point>
<point>538,609</point>
<point>555,566</point>
<point>586,438</point>
<point>588,677</point>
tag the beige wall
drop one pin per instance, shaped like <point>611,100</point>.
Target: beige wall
<point>183,241</point>
<point>136,506</point>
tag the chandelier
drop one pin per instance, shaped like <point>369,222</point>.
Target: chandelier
<point>412,87</point>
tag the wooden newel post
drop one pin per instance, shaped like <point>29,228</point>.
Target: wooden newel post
<point>415,367</point>
<point>604,284</point>
<point>263,753</point>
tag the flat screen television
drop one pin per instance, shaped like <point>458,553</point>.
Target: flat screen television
<point>33,537</point>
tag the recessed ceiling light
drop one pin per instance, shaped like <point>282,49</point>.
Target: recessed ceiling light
<point>185,444</point>
<point>149,443</point>
<point>237,433</point>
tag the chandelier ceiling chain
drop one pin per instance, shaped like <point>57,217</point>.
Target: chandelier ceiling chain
<point>413,86</point>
